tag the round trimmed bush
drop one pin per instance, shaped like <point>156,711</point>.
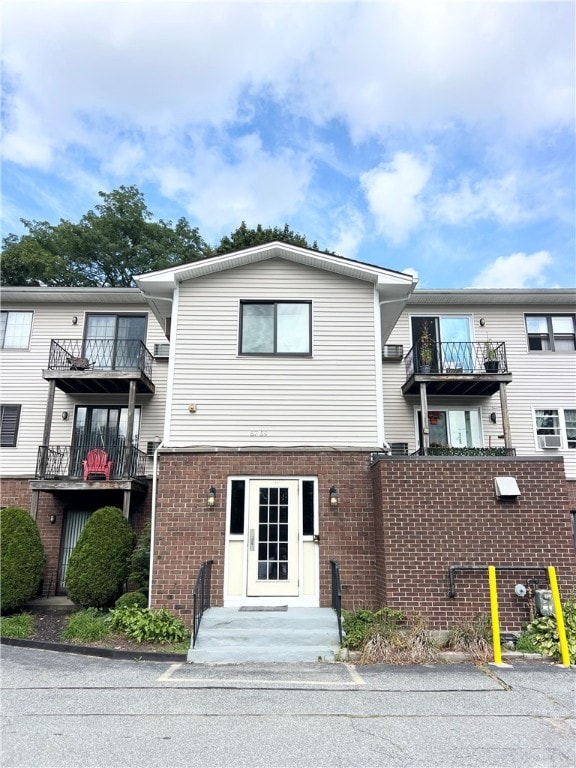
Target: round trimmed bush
<point>136,599</point>
<point>22,559</point>
<point>100,561</point>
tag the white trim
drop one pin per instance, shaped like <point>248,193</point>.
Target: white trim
<point>380,430</point>
<point>310,601</point>
<point>171,367</point>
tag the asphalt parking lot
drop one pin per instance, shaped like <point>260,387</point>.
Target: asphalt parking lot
<point>63,710</point>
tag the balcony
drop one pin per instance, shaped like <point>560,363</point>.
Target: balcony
<point>448,450</point>
<point>61,467</point>
<point>99,366</point>
<point>457,368</point>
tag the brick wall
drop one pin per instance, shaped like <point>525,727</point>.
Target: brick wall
<point>187,532</point>
<point>441,512</point>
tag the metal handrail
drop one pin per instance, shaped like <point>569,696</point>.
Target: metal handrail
<point>337,594</point>
<point>100,355</point>
<point>201,596</point>
<point>56,462</point>
<point>458,357</point>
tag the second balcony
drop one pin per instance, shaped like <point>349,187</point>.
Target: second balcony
<point>99,366</point>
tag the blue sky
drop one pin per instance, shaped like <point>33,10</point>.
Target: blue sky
<point>435,138</point>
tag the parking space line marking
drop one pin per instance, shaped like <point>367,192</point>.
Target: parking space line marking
<point>354,674</point>
<point>167,676</point>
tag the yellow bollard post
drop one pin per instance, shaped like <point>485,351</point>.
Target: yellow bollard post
<point>559,616</point>
<point>494,613</point>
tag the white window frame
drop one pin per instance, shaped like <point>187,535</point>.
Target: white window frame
<point>561,431</point>
<point>5,328</point>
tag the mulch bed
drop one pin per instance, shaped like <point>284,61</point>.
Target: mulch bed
<point>49,626</point>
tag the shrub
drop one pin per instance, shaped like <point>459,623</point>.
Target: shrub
<point>136,599</point>
<point>473,636</point>
<point>87,626</point>
<point>360,625</point>
<point>21,625</point>
<point>543,633</point>
<point>145,625</point>
<point>394,642</point>
<point>99,563</point>
<point>140,561</point>
<point>22,558</point>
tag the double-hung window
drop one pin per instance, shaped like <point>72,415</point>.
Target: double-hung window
<point>15,329</point>
<point>555,333</point>
<point>556,427</point>
<point>10,420</point>
<point>275,328</point>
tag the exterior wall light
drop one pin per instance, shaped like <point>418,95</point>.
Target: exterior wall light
<point>75,320</point>
<point>211,500</point>
<point>64,415</point>
<point>333,496</point>
<point>52,519</point>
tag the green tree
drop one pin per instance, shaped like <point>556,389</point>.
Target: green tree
<point>107,247</point>
<point>22,558</point>
<point>244,237</point>
<point>100,561</point>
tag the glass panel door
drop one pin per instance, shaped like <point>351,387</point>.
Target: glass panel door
<point>103,428</point>
<point>456,350</point>
<point>131,333</point>
<point>273,558</point>
<point>99,340</point>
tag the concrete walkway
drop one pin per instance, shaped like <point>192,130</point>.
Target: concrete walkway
<point>279,634</point>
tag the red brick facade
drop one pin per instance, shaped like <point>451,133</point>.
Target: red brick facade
<point>398,526</point>
<point>435,513</point>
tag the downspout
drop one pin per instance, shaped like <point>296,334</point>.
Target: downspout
<point>153,520</point>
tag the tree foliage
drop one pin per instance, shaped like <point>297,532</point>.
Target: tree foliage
<point>100,561</point>
<point>22,558</point>
<point>114,242</point>
<point>105,248</point>
<point>244,237</point>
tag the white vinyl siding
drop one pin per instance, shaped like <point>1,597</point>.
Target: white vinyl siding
<point>22,380</point>
<point>326,399</point>
<point>539,381</point>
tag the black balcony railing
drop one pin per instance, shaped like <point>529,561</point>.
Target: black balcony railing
<point>457,357</point>
<point>65,462</point>
<point>100,355</point>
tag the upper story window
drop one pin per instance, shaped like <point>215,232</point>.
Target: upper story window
<point>15,329</point>
<point>554,426</point>
<point>275,328</point>
<point>556,333</point>
<point>9,420</point>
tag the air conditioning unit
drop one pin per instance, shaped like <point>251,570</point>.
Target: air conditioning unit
<point>392,353</point>
<point>551,441</point>
<point>161,351</point>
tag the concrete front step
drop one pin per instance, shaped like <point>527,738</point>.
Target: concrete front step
<point>229,635</point>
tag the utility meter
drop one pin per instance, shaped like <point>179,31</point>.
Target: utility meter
<point>544,602</point>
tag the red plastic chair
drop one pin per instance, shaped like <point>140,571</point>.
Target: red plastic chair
<point>96,463</point>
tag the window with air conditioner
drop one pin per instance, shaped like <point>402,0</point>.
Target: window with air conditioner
<point>555,428</point>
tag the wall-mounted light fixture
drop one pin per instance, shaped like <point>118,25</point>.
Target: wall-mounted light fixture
<point>482,322</point>
<point>333,496</point>
<point>493,417</point>
<point>211,500</point>
<point>64,415</point>
<point>52,519</point>
<point>74,320</point>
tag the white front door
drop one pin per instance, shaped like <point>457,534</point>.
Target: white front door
<point>272,541</point>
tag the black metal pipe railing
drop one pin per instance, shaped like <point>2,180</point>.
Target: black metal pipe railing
<point>457,357</point>
<point>337,594</point>
<point>55,462</point>
<point>100,355</point>
<point>453,569</point>
<point>201,596</point>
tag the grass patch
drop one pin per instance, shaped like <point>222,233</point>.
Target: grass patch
<point>86,626</point>
<point>21,625</point>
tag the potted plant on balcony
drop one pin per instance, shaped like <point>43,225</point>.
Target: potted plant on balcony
<point>490,357</point>
<point>426,349</point>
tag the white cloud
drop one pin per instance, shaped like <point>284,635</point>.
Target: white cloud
<point>349,232</point>
<point>496,199</point>
<point>519,270</point>
<point>393,193</point>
